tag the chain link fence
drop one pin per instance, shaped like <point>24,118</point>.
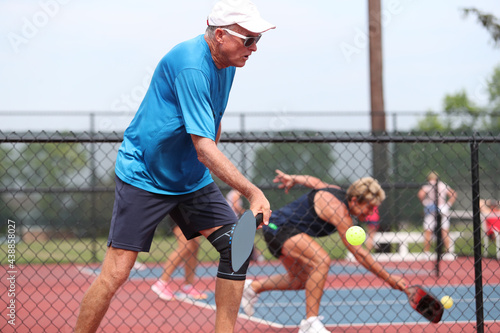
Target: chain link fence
<point>57,193</point>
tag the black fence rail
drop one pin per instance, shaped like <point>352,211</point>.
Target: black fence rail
<point>57,193</point>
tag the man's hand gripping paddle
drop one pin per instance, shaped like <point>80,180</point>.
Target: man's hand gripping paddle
<point>425,303</point>
<point>242,238</point>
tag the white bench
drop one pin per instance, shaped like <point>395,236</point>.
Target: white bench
<point>404,239</point>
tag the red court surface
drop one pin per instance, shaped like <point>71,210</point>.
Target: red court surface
<point>48,298</point>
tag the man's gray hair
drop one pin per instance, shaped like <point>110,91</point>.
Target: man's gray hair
<point>210,31</point>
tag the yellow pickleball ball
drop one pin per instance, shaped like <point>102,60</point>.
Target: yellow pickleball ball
<point>355,235</point>
<point>447,302</point>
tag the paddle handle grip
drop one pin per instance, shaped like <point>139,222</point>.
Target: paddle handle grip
<point>258,219</point>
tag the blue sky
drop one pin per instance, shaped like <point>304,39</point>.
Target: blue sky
<point>74,55</point>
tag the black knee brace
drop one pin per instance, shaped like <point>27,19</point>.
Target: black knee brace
<point>220,241</point>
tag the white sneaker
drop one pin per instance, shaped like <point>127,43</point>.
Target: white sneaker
<point>249,298</point>
<point>312,325</point>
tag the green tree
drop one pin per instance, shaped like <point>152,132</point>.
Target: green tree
<point>293,158</point>
<point>464,115</point>
<point>44,168</point>
<point>494,90</point>
<point>6,211</point>
<point>461,114</point>
<point>431,123</point>
<point>412,164</point>
<point>488,21</point>
<point>492,25</point>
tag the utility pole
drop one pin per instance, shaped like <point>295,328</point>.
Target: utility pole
<point>376,67</point>
<point>380,160</point>
<point>380,163</point>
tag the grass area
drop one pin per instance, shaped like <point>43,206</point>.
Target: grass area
<point>57,251</point>
<point>84,251</point>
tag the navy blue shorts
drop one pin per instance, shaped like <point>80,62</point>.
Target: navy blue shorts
<point>275,240</point>
<point>137,213</point>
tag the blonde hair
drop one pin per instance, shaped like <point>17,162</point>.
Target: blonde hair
<point>432,176</point>
<point>368,190</point>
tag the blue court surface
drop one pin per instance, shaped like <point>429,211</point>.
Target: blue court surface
<point>370,306</point>
<point>345,306</point>
<point>337,269</point>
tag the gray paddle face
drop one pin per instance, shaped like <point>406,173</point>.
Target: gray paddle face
<point>243,236</point>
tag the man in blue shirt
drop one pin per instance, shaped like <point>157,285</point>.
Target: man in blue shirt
<point>168,153</point>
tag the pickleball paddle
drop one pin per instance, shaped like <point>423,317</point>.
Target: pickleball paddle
<point>425,303</point>
<point>242,238</point>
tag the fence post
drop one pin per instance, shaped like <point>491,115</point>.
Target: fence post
<point>93,184</point>
<point>476,219</point>
<point>243,146</point>
<point>438,229</point>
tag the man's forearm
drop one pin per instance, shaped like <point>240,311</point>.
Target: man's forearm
<point>222,167</point>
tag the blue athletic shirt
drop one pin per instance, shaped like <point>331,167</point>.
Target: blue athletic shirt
<point>187,95</point>
<point>301,214</point>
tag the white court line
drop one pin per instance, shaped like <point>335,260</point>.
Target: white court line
<point>409,323</point>
<point>208,306</point>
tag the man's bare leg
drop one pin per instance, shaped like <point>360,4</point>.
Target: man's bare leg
<point>115,271</point>
<point>227,299</point>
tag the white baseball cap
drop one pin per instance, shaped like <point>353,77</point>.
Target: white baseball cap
<point>241,12</point>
